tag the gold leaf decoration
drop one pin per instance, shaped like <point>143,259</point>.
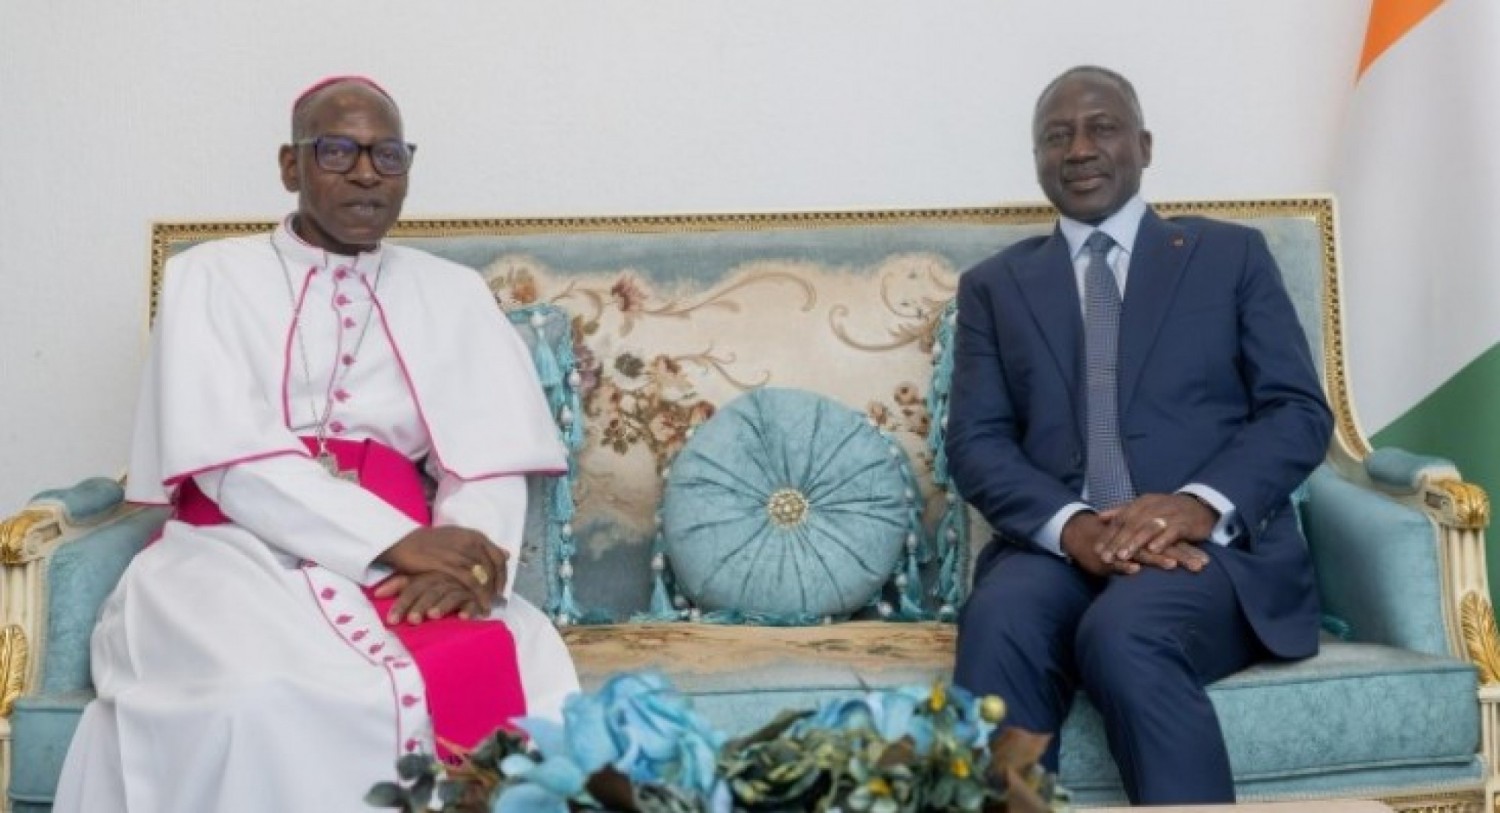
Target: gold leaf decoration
<point>1481,635</point>
<point>13,655</point>
<point>13,533</point>
<point>1471,506</point>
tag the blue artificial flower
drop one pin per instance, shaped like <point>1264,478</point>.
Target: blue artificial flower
<point>642,727</point>
<point>648,732</point>
<point>559,776</point>
<point>636,722</point>
<point>969,726</point>
<point>895,716</point>
<point>889,713</point>
<point>542,785</point>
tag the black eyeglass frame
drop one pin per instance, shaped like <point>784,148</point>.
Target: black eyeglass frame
<point>359,149</point>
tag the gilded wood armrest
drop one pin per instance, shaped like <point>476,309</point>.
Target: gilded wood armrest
<point>24,540</point>
<point>1462,513</point>
<point>28,540</point>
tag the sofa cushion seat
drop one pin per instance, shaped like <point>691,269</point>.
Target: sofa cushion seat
<point>1356,719</point>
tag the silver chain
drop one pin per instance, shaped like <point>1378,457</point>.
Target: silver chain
<point>321,425</point>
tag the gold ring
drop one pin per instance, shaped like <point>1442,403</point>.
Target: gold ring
<point>480,575</point>
<point>1160,524</point>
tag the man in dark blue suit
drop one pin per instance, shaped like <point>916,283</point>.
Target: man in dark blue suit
<point>1133,402</point>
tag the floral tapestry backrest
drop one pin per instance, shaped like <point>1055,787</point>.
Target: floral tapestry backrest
<point>675,316</point>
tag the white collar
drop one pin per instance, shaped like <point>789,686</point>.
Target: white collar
<point>300,253</point>
<point>1120,226</point>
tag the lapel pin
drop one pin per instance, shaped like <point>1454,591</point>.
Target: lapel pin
<point>1177,241</point>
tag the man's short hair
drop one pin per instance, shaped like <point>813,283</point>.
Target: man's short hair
<point>1102,72</point>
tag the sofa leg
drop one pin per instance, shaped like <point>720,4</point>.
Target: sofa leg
<point>1489,710</point>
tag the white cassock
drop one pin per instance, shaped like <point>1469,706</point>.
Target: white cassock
<point>232,673</point>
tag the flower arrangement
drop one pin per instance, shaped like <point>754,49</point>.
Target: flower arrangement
<point>636,746</point>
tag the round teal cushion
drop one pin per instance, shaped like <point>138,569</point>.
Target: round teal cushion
<point>786,503</point>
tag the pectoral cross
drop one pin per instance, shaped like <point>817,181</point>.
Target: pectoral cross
<point>330,464</point>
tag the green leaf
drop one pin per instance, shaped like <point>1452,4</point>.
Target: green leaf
<point>386,794</point>
<point>412,766</point>
<point>768,732</point>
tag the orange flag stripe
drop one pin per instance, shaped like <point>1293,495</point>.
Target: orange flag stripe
<point>1389,22</point>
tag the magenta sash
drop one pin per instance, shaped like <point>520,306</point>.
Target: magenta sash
<point>469,667</point>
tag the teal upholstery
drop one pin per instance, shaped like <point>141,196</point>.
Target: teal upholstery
<point>87,501</point>
<point>737,707</point>
<point>1401,471</point>
<point>786,503</point>
<point>41,728</point>
<point>1362,718</point>
<point>1376,564</point>
<point>79,576</point>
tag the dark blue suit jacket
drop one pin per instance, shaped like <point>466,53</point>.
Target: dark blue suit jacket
<point>1216,387</point>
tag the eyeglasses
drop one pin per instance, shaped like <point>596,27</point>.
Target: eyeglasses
<point>340,153</point>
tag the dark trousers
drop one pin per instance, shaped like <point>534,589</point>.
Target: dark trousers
<point>1036,629</point>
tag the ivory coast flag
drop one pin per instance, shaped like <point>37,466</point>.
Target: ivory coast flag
<point>1419,218</point>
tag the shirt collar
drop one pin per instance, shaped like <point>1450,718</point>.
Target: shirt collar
<point>299,252</point>
<point>1120,226</point>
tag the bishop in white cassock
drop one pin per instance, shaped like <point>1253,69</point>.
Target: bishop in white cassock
<point>240,663</point>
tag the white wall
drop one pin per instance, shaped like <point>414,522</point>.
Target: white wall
<point>113,115</point>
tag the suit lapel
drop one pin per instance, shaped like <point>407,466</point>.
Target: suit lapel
<point>1047,284</point>
<point>1156,264</point>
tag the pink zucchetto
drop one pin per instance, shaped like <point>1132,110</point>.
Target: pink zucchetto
<point>334,80</point>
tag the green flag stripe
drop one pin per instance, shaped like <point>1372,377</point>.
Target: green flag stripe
<point>1460,420</point>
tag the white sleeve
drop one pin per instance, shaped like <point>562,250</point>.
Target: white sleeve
<point>493,506</point>
<point>1050,536</point>
<point>1227,526</point>
<point>291,504</point>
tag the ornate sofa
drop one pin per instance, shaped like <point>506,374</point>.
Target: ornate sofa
<point>645,328</point>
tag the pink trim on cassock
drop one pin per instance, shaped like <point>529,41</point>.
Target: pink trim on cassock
<point>396,710</point>
<point>493,475</point>
<point>178,479</point>
<point>470,668</point>
<point>417,401</point>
